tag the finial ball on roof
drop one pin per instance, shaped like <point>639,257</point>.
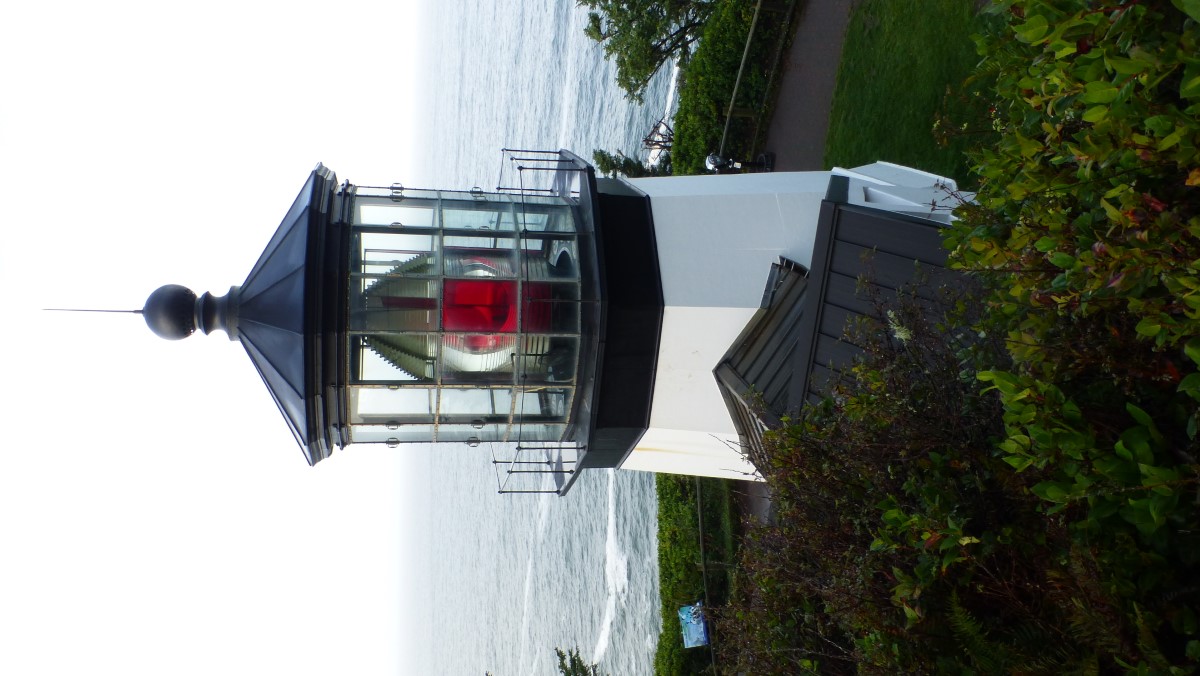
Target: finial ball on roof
<point>170,312</point>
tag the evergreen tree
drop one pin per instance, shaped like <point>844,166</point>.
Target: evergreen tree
<point>611,164</point>
<point>641,35</point>
<point>571,664</point>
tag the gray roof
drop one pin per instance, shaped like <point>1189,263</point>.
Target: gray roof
<point>793,349</point>
<point>275,309</point>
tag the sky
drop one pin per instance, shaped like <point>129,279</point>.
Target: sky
<point>156,515</point>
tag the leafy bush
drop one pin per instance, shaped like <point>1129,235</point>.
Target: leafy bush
<point>681,581</point>
<point>889,498</point>
<point>1088,228</point>
<point>1089,205</point>
<point>1009,483</point>
<point>612,164</point>
<point>679,576</point>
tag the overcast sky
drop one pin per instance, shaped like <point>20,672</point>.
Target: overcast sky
<point>156,515</point>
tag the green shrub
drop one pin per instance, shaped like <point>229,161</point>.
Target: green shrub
<point>888,497</point>
<point>707,86</point>
<point>681,581</point>
<point>1009,483</point>
<point>1089,201</point>
<point>1088,230</point>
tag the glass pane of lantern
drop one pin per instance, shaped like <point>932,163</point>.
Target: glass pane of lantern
<point>395,215</point>
<point>546,215</point>
<point>480,305</point>
<point>549,257</point>
<point>550,308</point>
<point>389,252</point>
<point>548,360</point>
<point>467,405</point>
<point>537,432</point>
<point>479,257</point>
<point>488,405</point>
<point>394,304</point>
<point>547,405</point>
<point>566,309</point>
<point>532,357</point>
<point>553,402</point>
<point>381,405</point>
<point>386,358</point>
<point>477,214</point>
<point>533,220</point>
<point>491,358</point>
<point>507,218</point>
<point>386,212</point>
<point>478,358</point>
<point>394,289</point>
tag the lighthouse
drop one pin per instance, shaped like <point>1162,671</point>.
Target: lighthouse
<point>570,320</point>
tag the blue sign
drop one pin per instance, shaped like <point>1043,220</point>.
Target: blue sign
<point>691,621</point>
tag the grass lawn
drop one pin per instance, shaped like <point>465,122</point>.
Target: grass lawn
<point>679,555</point>
<point>903,64</point>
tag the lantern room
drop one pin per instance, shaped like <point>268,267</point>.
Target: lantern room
<point>464,316</point>
<point>390,315</point>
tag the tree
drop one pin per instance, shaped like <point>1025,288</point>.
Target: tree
<point>641,35</point>
<point>611,164</point>
<point>571,664</point>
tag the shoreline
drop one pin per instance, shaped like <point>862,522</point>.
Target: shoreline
<point>668,116</point>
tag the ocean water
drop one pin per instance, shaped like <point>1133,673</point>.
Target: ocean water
<point>510,578</point>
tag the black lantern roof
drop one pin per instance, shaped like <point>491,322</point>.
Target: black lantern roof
<point>276,314</point>
<point>275,310</point>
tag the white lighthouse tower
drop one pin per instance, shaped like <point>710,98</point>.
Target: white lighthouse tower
<point>574,321</point>
<point>717,239</point>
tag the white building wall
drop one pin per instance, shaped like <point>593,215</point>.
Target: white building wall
<point>690,452</point>
<point>693,340</point>
<point>717,236</point>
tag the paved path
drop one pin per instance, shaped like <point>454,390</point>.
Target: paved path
<point>801,119</point>
<point>753,500</point>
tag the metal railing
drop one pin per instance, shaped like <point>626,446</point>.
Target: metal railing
<point>538,172</point>
<point>531,462</point>
<point>789,11</point>
<point>737,82</point>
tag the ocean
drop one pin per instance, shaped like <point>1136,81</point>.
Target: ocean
<point>510,578</point>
